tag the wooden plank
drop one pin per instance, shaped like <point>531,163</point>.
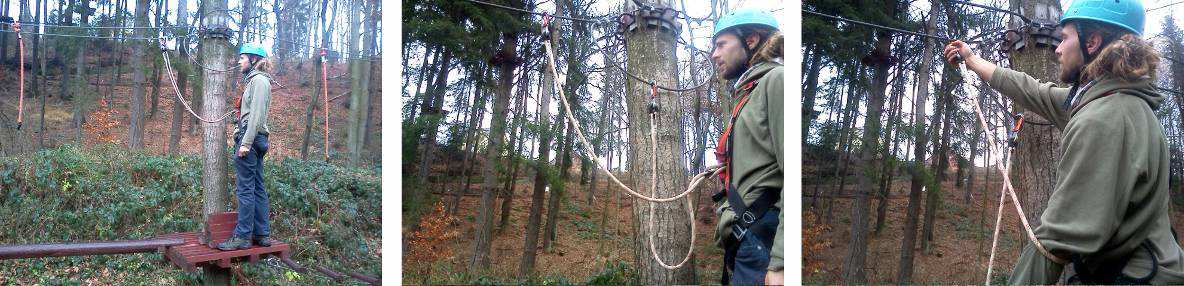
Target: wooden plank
<point>180,261</point>
<point>275,248</point>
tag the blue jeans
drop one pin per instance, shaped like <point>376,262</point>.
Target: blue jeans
<point>752,257</point>
<point>252,198</point>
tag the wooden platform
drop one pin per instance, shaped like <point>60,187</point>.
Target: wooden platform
<point>200,252</point>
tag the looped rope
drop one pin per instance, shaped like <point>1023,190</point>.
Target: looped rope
<point>1008,190</point>
<point>168,66</point>
<point>588,149</point>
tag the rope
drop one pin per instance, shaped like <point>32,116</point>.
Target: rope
<point>78,36</point>
<point>168,66</point>
<point>20,103</point>
<point>882,27</point>
<point>545,15</point>
<point>998,221</point>
<point>993,9</point>
<point>1164,6</point>
<point>91,27</point>
<point>653,164</point>
<point>588,146</point>
<point>369,58</point>
<point>1010,191</point>
<point>325,89</point>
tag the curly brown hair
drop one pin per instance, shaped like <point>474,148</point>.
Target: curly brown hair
<point>772,49</point>
<point>1128,57</point>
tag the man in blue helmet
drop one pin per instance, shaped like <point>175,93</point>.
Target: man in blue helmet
<point>1108,215</point>
<point>250,138</point>
<point>746,50</point>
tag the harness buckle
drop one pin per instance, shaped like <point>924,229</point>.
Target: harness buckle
<point>738,232</point>
<point>748,217</point>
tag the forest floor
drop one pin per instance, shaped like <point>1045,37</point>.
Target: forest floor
<point>108,117</point>
<point>312,232</point>
<point>593,245</point>
<point>962,236</point>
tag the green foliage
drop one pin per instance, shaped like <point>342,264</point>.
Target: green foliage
<point>619,273</point>
<point>72,194</point>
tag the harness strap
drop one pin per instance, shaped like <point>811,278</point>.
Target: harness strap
<point>746,215</point>
<point>1111,272</point>
<point>723,151</point>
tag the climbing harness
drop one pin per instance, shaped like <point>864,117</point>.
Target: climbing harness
<point>20,111</point>
<point>695,181</point>
<point>746,215</point>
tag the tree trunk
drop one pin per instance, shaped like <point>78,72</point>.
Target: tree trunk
<point>476,115</point>
<point>853,266</point>
<point>651,55</point>
<point>359,90</point>
<point>497,130</point>
<point>810,92</point>
<point>374,87</point>
<point>40,88</point>
<point>135,132</point>
<point>161,15</point>
<point>888,166</point>
<point>81,93</point>
<point>517,133</point>
<point>1033,170</point>
<point>541,176</point>
<point>941,159</point>
<point>217,55</point>
<point>182,67</point>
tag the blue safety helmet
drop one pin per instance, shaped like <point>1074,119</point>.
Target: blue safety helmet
<point>745,16</point>
<point>1126,14</point>
<point>252,49</point>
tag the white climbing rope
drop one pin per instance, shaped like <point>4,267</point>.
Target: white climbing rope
<point>168,69</point>
<point>696,180</point>
<point>1009,190</point>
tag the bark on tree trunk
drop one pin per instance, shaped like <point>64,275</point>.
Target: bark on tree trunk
<point>1033,170</point>
<point>501,100</point>
<point>135,135</point>
<point>217,55</point>
<point>530,246</point>
<point>651,55</point>
<point>881,59</point>
<point>182,77</point>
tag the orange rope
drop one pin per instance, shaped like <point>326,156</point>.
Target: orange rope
<point>20,103</point>
<point>325,89</point>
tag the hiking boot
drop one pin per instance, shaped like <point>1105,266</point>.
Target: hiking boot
<point>261,240</point>
<point>234,243</point>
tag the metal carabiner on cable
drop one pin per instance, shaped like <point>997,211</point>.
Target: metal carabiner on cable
<point>653,105</point>
<point>546,33</point>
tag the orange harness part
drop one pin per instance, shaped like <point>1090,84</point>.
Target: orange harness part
<point>723,150</point>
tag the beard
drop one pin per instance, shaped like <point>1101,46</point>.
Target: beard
<point>734,70</point>
<point>1070,74</point>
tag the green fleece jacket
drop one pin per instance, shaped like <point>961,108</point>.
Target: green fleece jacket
<point>1111,192</point>
<point>757,156</point>
<point>253,111</point>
